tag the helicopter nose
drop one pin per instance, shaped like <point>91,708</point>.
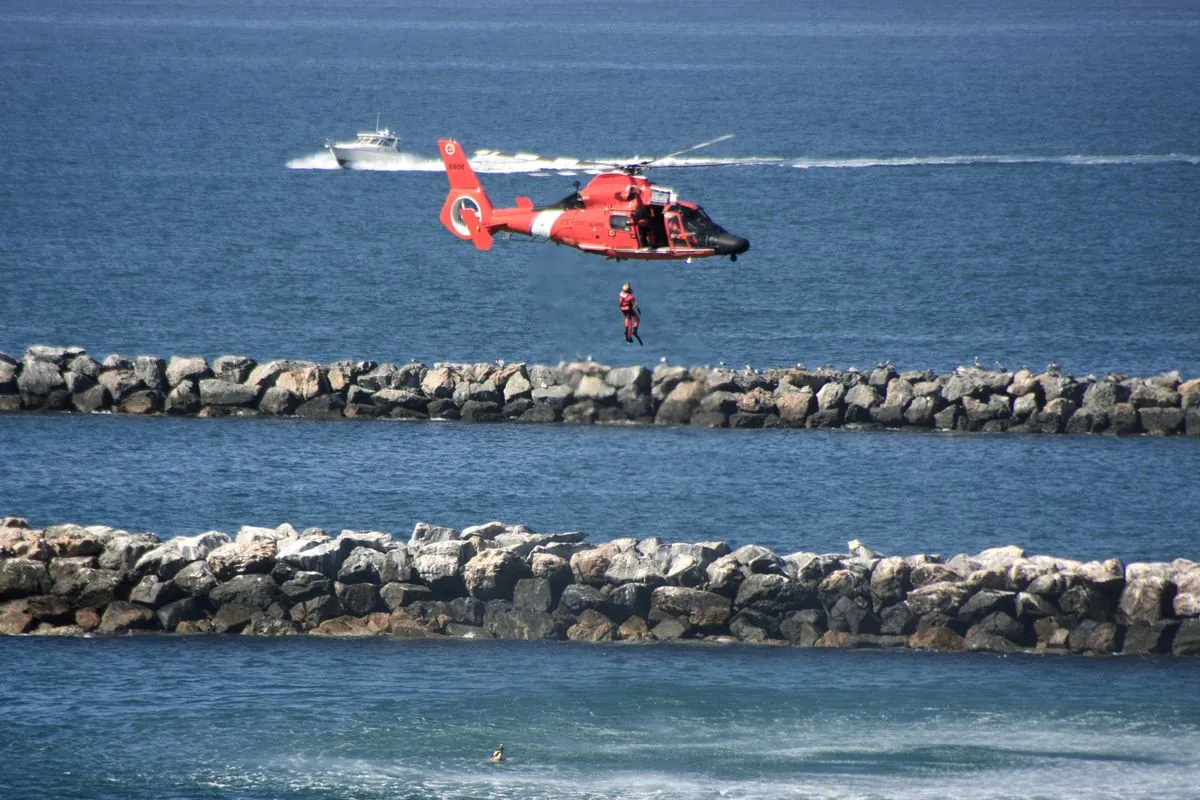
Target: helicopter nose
<point>729,245</point>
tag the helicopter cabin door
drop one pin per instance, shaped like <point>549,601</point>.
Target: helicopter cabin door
<point>677,235</point>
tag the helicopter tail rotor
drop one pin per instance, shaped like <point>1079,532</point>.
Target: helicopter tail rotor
<point>467,210</point>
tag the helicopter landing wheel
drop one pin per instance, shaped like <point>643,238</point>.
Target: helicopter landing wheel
<point>733,258</point>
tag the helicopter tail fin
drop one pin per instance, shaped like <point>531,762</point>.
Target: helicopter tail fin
<point>467,209</point>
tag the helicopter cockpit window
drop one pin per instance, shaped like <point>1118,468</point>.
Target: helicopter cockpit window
<point>698,222</point>
<point>618,222</point>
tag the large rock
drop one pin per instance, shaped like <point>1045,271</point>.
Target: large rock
<point>241,558</point>
<point>363,565</point>
<point>632,566</point>
<point>305,381</point>
<point>1187,584</point>
<point>82,584</point>
<point>493,574</point>
<point>304,586</point>
<point>315,552</point>
<point>1148,599</point>
<point>122,617</point>
<point>358,599</point>
<point>577,598</point>
<point>590,566</point>
<point>677,407</point>
<point>22,577</point>
<point>218,392</point>
<point>39,378</point>
<point>196,579</point>
<point>173,555</point>
<point>186,370</point>
<point>774,595</point>
<point>505,621</point>
<point>233,368</point>
<point>592,626</point>
<point>440,564</point>
<point>249,591</point>
<point>889,582</point>
<point>695,609</point>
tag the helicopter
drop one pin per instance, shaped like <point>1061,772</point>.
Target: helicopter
<point>620,214</point>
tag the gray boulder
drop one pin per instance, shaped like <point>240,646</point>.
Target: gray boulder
<point>804,627</point>
<point>1187,638</point>
<point>241,558</point>
<point>424,533</point>
<point>397,566</point>
<point>181,370</point>
<point>440,564</point>
<point>123,550</point>
<point>315,552</point>
<point>1146,638</point>
<point>249,591</point>
<point>219,392</point>
<point>629,600</point>
<point>363,565</point>
<point>889,582</point>
<point>196,579</point>
<point>304,586</point>
<point>358,599</point>
<point>39,378</point>
<point>852,614</point>
<point>173,555</point>
<point>774,595</point>
<point>505,621</point>
<point>695,609</point>
<point>578,598</point>
<point>535,594</point>
<point>21,577</point>
<point>187,609</point>
<point>233,368</point>
<point>150,591</point>
<point>1147,599</point>
<point>399,594</point>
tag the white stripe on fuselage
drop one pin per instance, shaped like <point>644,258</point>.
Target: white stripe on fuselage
<point>543,222</point>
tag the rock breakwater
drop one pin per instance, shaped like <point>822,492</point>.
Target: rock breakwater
<point>970,399</point>
<point>506,581</point>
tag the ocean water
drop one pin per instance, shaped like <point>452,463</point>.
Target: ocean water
<point>1013,183</point>
<point>215,718</point>
<point>1087,498</point>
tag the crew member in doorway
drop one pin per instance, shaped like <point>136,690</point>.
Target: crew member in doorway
<point>629,307</point>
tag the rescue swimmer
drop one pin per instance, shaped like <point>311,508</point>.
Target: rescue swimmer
<point>628,304</point>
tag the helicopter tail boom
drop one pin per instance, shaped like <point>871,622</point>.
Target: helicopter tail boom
<point>467,210</point>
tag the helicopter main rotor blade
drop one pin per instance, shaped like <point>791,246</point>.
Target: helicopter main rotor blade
<point>690,149</point>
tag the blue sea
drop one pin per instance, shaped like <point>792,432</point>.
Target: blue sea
<point>1013,183</point>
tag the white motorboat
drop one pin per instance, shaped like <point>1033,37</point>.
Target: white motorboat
<point>377,148</point>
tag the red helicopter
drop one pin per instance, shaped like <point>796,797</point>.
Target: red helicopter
<point>619,214</point>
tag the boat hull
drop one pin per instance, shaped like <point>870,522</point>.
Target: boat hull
<point>352,157</point>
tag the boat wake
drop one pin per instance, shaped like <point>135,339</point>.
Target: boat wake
<point>397,162</point>
<point>496,161</point>
<point>968,161</point>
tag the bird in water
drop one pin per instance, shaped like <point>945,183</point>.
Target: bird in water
<point>498,754</point>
